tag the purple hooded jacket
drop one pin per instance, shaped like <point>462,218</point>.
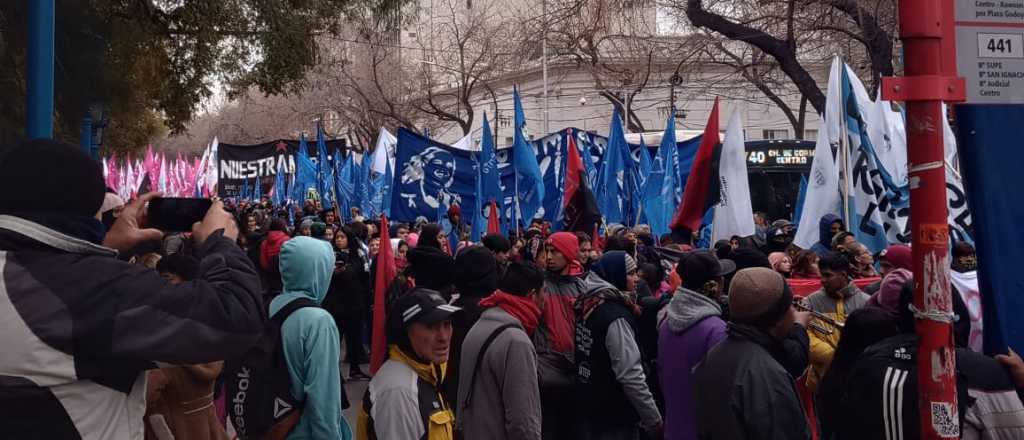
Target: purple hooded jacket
<point>692,326</point>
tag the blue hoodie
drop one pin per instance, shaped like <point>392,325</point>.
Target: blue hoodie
<point>310,340</point>
<point>824,244</point>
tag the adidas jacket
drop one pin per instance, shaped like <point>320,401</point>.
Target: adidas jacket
<point>78,329</point>
<point>881,396</point>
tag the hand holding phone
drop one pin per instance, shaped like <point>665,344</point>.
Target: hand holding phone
<point>172,214</point>
<point>216,218</point>
<point>127,232</point>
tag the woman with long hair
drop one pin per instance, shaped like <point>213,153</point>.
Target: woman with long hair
<point>862,264</point>
<point>348,298</point>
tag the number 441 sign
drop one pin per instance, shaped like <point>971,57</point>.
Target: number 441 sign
<point>990,50</point>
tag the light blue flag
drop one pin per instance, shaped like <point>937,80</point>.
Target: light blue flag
<point>324,171</point>
<point>305,173</point>
<point>872,191</point>
<point>660,192</point>
<point>479,223</point>
<point>244,193</point>
<point>340,198</point>
<point>362,176</point>
<point>257,189</point>
<point>609,192</point>
<point>704,236</point>
<point>491,180</point>
<point>346,185</point>
<point>587,157</point>
<point>280,191</point>
<point>529,181</point>
<point>643,178</point>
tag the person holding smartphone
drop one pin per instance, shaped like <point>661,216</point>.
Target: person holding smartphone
<point>348,298</point>
<point>80,327</point>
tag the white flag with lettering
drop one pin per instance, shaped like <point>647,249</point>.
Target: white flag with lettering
<point>823,196</point>
<point>733,214</point>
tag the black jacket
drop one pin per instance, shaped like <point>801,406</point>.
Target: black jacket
<point>743,392</point>
<point>349,292</point>
<point>79,328</point>
<point>881,396</point>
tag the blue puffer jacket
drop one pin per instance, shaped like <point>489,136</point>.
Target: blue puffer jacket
<point>310,340</point>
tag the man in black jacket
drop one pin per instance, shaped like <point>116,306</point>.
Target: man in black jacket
<point>743,391</point>
<point>881,393</point>
<point>78,326</point>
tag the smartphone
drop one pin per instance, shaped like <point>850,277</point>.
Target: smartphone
<point>172,214</point>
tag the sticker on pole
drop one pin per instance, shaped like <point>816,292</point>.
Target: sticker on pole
<point>933,234</point>
<point>990,50</point>
<point>945,420</point>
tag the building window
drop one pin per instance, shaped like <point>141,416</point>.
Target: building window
<point>810,135</point>
<point>774,134</point>
<point>508,140</point>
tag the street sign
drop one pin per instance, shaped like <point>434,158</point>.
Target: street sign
<point>990,50</point>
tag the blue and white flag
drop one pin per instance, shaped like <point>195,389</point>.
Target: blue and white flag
<point>280,191</point>
<point>610,194</point>
<point>305,173</point>
<point>346,188</point>
<point>431,177</point>
<point>662,186</point>
<point>733,215</point>
<point>362,170</point>
<point>645,173</point>
<point>343,188</point>
<point>325,173</point>
<point>529,181</point>
<point>874,198</point>
<point>476,217</point>
<point>490,177</point>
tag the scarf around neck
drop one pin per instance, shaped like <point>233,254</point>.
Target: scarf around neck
<point>520,307</point>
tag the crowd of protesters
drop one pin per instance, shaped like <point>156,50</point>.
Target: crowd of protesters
<point>112,330</point>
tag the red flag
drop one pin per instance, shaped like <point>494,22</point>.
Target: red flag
<point>702,187</point>
<point>493,222</point>
<point>578,204</point>
<point>386,273</point>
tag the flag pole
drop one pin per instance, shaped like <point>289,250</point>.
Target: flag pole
<point>844,153</point>
<point>516,213</point>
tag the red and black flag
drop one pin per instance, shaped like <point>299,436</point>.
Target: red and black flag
<point>703,189</point>
<point>579,205</point>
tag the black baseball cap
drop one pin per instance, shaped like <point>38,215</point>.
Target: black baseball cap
<point>422,305</point>
<point>701,266</point>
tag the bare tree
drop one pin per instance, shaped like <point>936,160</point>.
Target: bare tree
<point>616,43</point>
<point>468,45</point>
<point>795,32</point>
<point>758,70</point>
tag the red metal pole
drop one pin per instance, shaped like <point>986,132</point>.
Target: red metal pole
<point>926,29</point>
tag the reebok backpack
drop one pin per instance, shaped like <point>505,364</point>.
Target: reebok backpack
<point>259,398</point>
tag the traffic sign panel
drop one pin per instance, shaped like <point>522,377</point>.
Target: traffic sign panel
<point>990,50</point>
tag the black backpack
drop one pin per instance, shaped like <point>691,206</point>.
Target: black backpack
<point>258,384</point>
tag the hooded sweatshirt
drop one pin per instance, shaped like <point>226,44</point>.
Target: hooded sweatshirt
<point>824,243</point>
<point>310,340</point>
<point>693,325</point>
<point>608,364</point>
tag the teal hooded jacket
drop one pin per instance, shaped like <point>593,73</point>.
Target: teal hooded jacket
<point>310,340</point>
